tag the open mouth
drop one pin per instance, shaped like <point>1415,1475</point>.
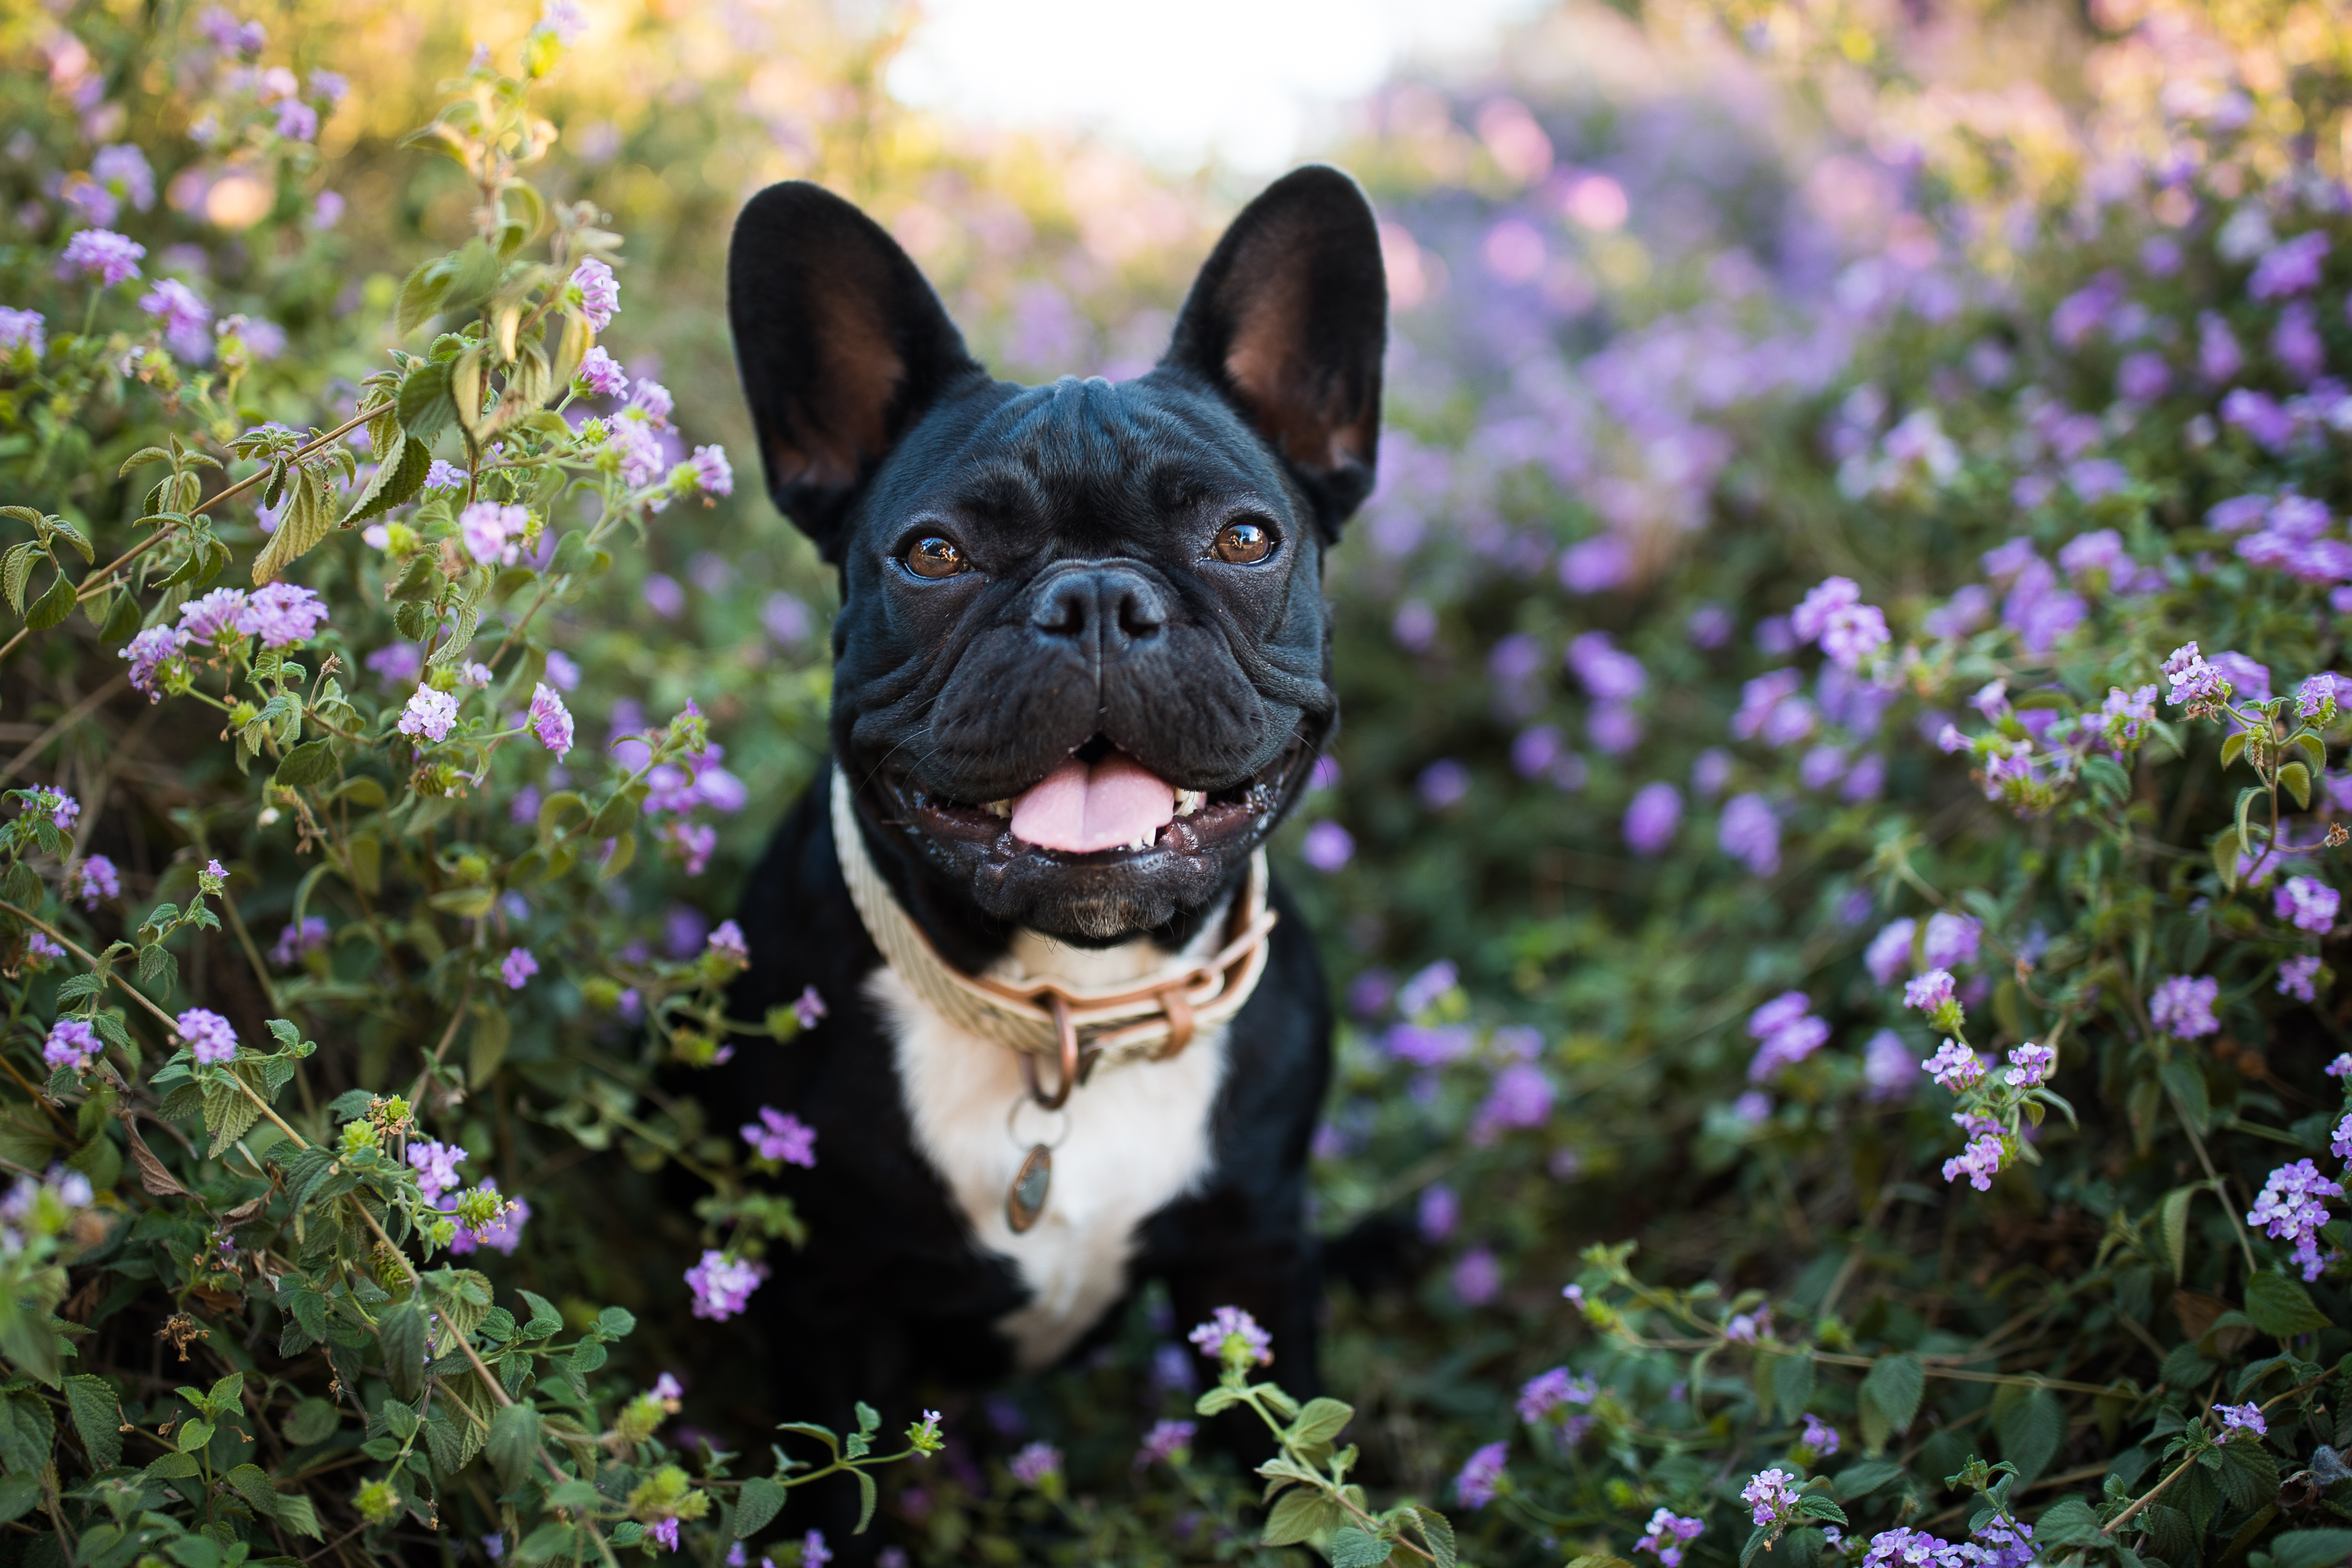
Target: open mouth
<point>1102,805</point>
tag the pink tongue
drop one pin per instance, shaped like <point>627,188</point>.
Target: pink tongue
<point>1079,809</point>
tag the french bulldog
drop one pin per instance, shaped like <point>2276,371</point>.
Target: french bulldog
<point>1081,673</point>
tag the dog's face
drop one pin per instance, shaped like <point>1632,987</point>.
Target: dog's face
<point>1082,654</point>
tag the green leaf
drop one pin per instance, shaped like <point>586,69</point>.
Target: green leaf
<point>2172,1228</point>
<point>305,521</point>
<point>1352,1548</point>
<point>2280,1307</point>
<point>312,762</point>
<point>2232,749</point>
<point>2248,1475</point>
<point>1890,1397</point>
<point>393,483</point>
<point>756,1506</point>
<point>1436,1534</point>
<point>2310,1548</point>
<point>95,1418</point>
<point>1792,1382</point>
<point>2069,1521</point>
<point>1859,1481</point>
<point>297,1515</point>
<point>615,1322</point>
<point>2295,779</point>
<point>314,1420</point>
<point>1297,1514</point>
<point>52,607</point>
<point>15,566</point>
<point>18,1497</point>
<point>426,408</point>
<point>2031,1431</point>
<point>513,1444</point>
<point>544,1319</point>
<point>254,1486</point>
<point>2246,798</point>
<point>229,1112</point>
<point>866,1498</point>
<point>1820,1505</point>
<point>171,1468</point>
<point>402,1332</point>
<point>1321,1421</point>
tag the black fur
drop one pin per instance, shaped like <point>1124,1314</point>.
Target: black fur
<point>1094,617</point>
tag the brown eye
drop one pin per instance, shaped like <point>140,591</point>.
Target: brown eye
<point>932,556</point>
<point>1243,543</point>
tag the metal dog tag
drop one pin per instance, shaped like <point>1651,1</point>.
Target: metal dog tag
<point>1026,1201</point>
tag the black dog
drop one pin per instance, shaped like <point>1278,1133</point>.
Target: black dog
<point>1082,671</point>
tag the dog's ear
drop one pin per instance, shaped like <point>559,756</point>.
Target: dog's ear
<point>1288,320</point>
<point>841,345</point>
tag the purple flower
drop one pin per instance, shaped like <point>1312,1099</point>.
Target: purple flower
<point>2297,977</point>
<point>1521,1097</point>
<point>1595,565</point>
<point>1426,988</point>
<point>429,713</point>
<point>2193,680</point>
<point>185,318</point>
<point>74,1045</point>
<point>1481,1479</point>
<point>653,399</point>
<point>2246,1418</point>
<point>1979,1162</point>
<point>1232,1334</point>
<point>2219,358</point>
<point>2003,1542</point>
<point>808,1007</point>
<point>1889,953</point>
<point>1952,940</point>
<point>1710,771</point>
<point>435,1165</point>
<point>297,120</point>
<point>2183,1006</point>
<point>1438,1212</point>
<point>722,1285</point>
<point>2292,1206</point>
<point>2309,904</point>
<point>1887,1066</point>
<point>1810,619</point>
<point>550,720</point>
<point>1650,818</point>
<point>94,879</point>
<point>2142,378</point>
<point>2292,267</point>
<point>728,942</point>
<point>1771,710</point>
<point>1954,1067</point>
<point>493,533</point>
<point>1747,1328</point>
<point>213,618</point>
<point>1326,846</point>
<point>600,375</point>
<point>444,475</point>
<point>1668,1534</point>
<point>2295,345</point>
<point>708,470</point>
<point>1442,783</point>
<point>1164,1442</point>
<point>517,966</point>
<point>284,615</point>
<point>1710,626</point>
<point>2340,1142</point>
<point>783,1137</point>
<point>1854,633</point>
<point>1607,672</point>
<point>1771,1496</point>
<point>1035,1464</point>
<point>1913,1548</point>
<point>295,941</point>
<point>1820,1436</point>
<point>101,254</point>
<point>1786,1047</point>
<point>600,293</point>
<point>2312,699</point>
<point>502,1234</point>
<point>1550,1391</point>
<point>2030,1065</point>
<point>25,331</point>
<point>210,1037</point>
<point>2260,416</point>
<point>1750,833</point>
<point>2249,681</point>
<point>664,596</point>
<point>41,950</point>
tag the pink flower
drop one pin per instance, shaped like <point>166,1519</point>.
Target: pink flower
<point>1164,1442</point>
<point>2183,1006</point>
<point>283,614</point>
<point>1668,1534</point>
<point>550,719</point>
<point>1232,1334</point>
<point>493,533</point>
<point>1955,1067</point>
<point>708,472</point>
<point>517,966</point>
<point>1770,1497</point>
<point>2295,978</point>
<point>2309,903</point>
<point>94,879</point>
<point>1929,991</point>
<point>435,1165</point>
<point>213,618</point>
<point>1979,1162</point>
<point>185,318</point>
<point>600,375</point>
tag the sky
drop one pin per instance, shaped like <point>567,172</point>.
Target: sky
<point>1243,82</point>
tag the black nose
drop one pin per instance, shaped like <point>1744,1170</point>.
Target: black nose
<point>1104,610</point>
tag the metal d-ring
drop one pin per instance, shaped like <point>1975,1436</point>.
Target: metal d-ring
<point>1068,1033</point>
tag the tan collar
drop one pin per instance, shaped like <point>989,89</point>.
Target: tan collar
<point>1150,1020</point>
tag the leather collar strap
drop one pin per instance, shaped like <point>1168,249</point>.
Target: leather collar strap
<point>1150,1020</point>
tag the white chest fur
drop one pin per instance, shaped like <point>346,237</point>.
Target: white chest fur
<point>1135,1137</point>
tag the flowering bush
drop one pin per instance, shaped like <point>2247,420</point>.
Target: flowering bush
<point>1834,865</point>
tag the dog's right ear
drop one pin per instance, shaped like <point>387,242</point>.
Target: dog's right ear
<point>841,344</point>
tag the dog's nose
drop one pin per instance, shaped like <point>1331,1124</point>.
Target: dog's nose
<point>1104,608</point>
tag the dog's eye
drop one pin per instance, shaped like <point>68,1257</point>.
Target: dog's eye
<point>1243,543</point>
<point>934,556</point>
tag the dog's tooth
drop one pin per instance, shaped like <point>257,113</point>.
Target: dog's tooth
<point>999,809</point>
<point>1189,801</point>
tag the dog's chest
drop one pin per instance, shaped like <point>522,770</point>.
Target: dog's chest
<point>1131,1140</point>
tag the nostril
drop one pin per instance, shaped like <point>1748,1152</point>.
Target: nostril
<point>1139,613</point>
<point>1063,609</point>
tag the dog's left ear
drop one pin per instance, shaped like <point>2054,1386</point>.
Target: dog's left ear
<point>1288,321</point>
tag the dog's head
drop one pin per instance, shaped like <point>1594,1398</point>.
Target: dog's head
<point>1082,657</point>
